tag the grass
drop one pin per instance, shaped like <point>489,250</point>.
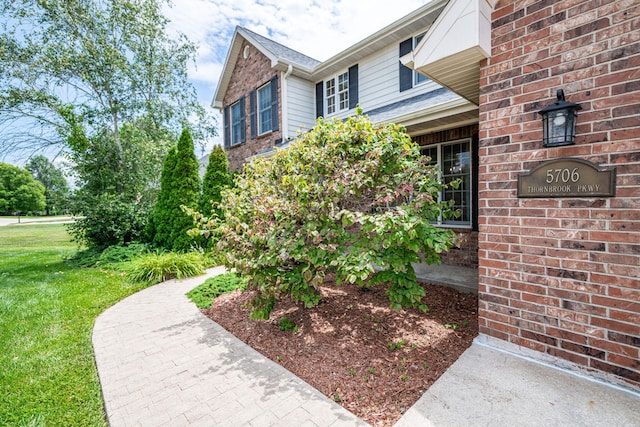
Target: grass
<point>47,311</point>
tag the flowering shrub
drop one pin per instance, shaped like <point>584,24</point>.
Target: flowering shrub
<point>347,197</point>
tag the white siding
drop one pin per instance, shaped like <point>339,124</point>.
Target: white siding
<point>379,81</point>
<point>300,105</point>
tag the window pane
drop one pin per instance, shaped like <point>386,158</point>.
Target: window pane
<point>236,123</point>
<point>264,108</point>
<point>343,90</point>
<point>419,78</point>
<point>456,165</point>
<point>432,153</point>
<point>331,96</point>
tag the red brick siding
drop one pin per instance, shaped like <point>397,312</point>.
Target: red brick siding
<point>561,275</point>
<point>249,74</point>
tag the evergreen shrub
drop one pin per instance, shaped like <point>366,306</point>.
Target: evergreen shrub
<point>179,186</point>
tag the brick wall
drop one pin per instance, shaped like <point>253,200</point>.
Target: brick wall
<point>465,253</point>
<point>561,275</point>
<point>249,74</point>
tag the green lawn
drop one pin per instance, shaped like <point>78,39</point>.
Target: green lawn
<point>47,311</point>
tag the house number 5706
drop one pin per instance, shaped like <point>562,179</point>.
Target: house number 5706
<point>562,175</point>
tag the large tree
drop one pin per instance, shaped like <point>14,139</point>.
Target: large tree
<point>56,188</point>
<point>19,191</point>
<point>77,68</point>
<point>102,81</point>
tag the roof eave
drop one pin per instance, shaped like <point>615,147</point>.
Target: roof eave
<point>451,51</point>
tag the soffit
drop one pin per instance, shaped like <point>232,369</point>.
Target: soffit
<point>451,51</point>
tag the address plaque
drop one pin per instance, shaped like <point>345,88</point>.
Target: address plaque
<point>567,177</point>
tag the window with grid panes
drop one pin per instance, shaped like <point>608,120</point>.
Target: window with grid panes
<point>330,86</point>
<point>337,93</point>
<point>343,90</point>
<point>454,162</point>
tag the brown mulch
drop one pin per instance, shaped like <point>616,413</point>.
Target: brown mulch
<point>374,361</point>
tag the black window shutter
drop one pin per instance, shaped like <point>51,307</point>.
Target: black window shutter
<point>275,120</point>
<point>406,73</point>
<point>227,131</point>
<point>243,121</point>
<point>319,99</point>
<point>252,114</point>
<point>353,86</point>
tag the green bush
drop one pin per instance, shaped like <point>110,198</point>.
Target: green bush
<point>344,197</point>
<point>213,287</point>
<point>285,324</point>
<point>110,256</point>
<point>108,220</point>
<point>158,267</point>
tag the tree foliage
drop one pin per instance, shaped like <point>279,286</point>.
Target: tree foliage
<point>345,197</point>
<point>19,191</point>
<point>180,186</point>
<point>103,82</point>
<point>216,178</point>
<point>77,68</point>
<point>56,188</point>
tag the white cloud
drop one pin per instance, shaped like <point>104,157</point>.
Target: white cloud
<point>319,29</point>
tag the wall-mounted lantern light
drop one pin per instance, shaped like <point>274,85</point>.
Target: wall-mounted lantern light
<point>559,122</point>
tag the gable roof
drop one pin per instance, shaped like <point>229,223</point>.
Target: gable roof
<point>279,51</point>
<point>304,66</point>
<point>281,58</point>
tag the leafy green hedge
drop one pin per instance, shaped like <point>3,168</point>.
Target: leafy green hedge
<point>342,198</point>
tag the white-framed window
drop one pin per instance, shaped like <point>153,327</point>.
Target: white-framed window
<point>337,93</point>
<point>417,77</point>
<point>264,109</point>
<point>455,162</point>
<point>236,123</point>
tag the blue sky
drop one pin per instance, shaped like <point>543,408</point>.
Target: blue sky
<point>317,28</point>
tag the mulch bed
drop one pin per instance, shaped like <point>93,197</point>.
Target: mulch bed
<point>373,361</point>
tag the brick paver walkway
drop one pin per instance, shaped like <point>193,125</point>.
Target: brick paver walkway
<point>162,362</point>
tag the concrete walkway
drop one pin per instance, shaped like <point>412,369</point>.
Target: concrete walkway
<point>163,363</point>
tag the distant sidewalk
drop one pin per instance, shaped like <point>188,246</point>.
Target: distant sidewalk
<point>60,219</point>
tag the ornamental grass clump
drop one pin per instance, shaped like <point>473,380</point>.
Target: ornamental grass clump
<point>343,198</point>
<point>158,267</point>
